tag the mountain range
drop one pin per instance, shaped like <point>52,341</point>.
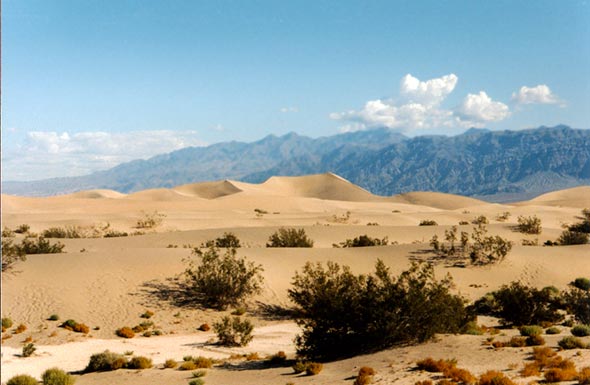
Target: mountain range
<point>491,165</point>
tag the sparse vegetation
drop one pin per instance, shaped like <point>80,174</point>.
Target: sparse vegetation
<point>365,376</point>
<point>150,220</point>
<point>570,342</point>
<point>105,361</point>
<point>343,314</point>
<point>233,331</point>
<point>20,328</point>
<point>11,254</point>
<point>289,237</point>
<point>62,232</point>
<point>503,217</point>
<point>481,220</point>
<point>435,366</point>
<point>28,350</point>
<point>6,323</point>
<point>493,377</point>
<point>56,376</point>
<point>573,238</point>
<point>529,225</point>
<point>170,363</point>
<point>577,302</point>
<point>125,332</point>
<point>427,222</point>
<point>228,240</point>
<point>22,379</point>
<point>147,314</point>
<point>7,233</point>
<point>74,326</point>
<point>363,241</point>
<point>553,330</point>
<point>531,330</point>
<point>220,281</point>
<point>139,362</point>
<point>22,229</point>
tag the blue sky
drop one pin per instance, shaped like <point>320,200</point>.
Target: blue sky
<point>90,84</point>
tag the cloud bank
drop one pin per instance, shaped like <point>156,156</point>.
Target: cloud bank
<point>419,107</point>
<point>47,154</point>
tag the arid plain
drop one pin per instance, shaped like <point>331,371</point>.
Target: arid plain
<point>107,283</point>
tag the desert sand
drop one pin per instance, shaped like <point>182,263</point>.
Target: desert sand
<point>108,283</point>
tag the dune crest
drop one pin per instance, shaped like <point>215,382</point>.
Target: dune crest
<point>571,197</point>
<point>437,200</point>
<point>208,190</point>
<point>96,194</point>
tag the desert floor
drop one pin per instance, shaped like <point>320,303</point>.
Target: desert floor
<point>108,283</point>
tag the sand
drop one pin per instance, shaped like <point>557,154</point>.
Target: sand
<point>108,283</point>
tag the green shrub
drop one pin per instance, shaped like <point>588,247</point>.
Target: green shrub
<point>577,302</point>
<point>529,225</point>
<point>363,241</point>
<point>428,222</point>
<point>56,376</point>
<point>570,342</point>
<point>22,379</point>
<point>289,238</point>
<point>199,373</point>
<point>535,340</point>
<point>140,362</point>
<point>569,237</point>
<point>313,368</point>
<point>53,317</point>
<point>220,281</point>
<point>28,350</point>
<point>553,330</point>
<point>147,314</point>
<point>106,361</point>
<point>343,314</point>
<point>581,330</point>
<point>518,304</point>
<point>6,323</point>
<point>531,330</point>
<point>197,381</point>
<point>581,283</point>
<point>233,331</point>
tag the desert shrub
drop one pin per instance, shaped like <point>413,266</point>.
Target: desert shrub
<point>187,365</point>
<point>487,249</point>
<point>20,328</point>
<point>584,225</point>
<point>535,340</point>
<point>11,253</point>
<point>559,375</point>
<point>197,381</point>
<point>570,342</point>
<point>503,217</point>
<point>584,376</point>
<point>40,246</point>
<point>278,359</point>
<point>481,220</point>
<point>543,355</point>
<point>150,220</point>
<point>53,317</point>
<point>569,237</point>
<point>343,314</point>
<point>62,232</point>
<point>365,376</point>
<point>204,327</point>
<point>531,330</point>
<point>289,238</point>
<point>228,240</point>
<point>125,332</point>
<point>518,304</point>
<point>22,229</point>
<point>577,302</point>
<point>22,379</point>
<point>423,382</point>
<point>529,225</point>
<point>220,281</point>
<point>74,326</point>
<point>517,342</point>
<point>581,330</point>
<point>427,222</point>
<point>199,373</point>
<point>233,331</point>
<point>459,375</point>
<point>170,363</point>
<point>581,283</point>
<point>530,369</point>
<point>140,362</point>
<point>435,366</point>
<point>239,311</point>
<point>105,361</point>
<point>7,233</point>
<point>81,328</point>
<point>363,241</point>
<point>28,350</point>
<point>299,367</point>
<point>553,330</point>
<point>6,323</point>
<point>147,314</point>
<point>493,377</point>
<point>313,368</point>
<point>202,362</point>
<point>56,376</point>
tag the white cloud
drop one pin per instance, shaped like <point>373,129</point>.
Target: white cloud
<point>430,92</point>
<point>540,94</point>
<point>47,154</point>
<point>480,108</point>
<point>289,109</point>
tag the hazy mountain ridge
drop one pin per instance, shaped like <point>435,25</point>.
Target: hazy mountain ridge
<point>492,164</point>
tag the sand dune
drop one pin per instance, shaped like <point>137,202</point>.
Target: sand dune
<point>108,282</point>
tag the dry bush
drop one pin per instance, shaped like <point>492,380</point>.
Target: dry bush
<point>11,253</point>
<point>170,363</point>
<point>20,328</point>
<point>553,330</point>
<point>481,220</point>
<point>365,376</point>
<point>543,355</point>
<point>140,362</point>
<point>584,376</point>
<point>570,342</point>
<point>435,366</point>
<point>150,220</point>
<point>423,382</point>
<point>255,357</point>
<point>559,375</point>
<point>568,237</point>
<point>428,222</point>
<point>233,331</point>
<point>22,229</point>
<point>459,375</point>
<point>6,323</point>
<point>530,369</point>
<point>313,368</point>
<point>63,232</point>
<point>278,359</point>
<point>147,314</point>
<point>105,361</point>
<point>493,377</point>
<point>56,376</point>
<point>202,362</point>
<point>204,327</point>
<point>362,241</point>
<point>28,350</point>
<point>531,330</point>
<point>299,367</point>
<point>503,217</point>
<point>125,332</point>
<point>187,365</point>
<point>535,341</point>
<point>529,225</point>
<point>290,237</point>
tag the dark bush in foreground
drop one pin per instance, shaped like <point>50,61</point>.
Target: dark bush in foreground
<point>289,238</point>
<point>40,246</point>
<point>22,379</point>
<point>233,331</point>
<point>220,281</point>
<point>569,237</point>
<point>581,283</point>
<point>577,302</point>
<point>581,330</point>
<point>55,376</point>
<point>227,240</point>
<point>343,314</point>
<point>518,305</point>
<point>11,253</point>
